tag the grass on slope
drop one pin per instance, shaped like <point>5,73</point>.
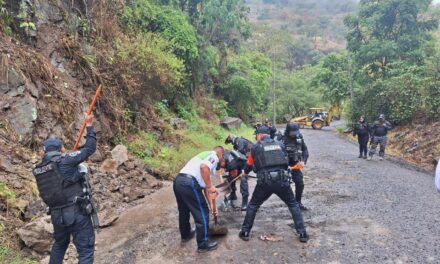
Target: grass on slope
<point>168,158</point>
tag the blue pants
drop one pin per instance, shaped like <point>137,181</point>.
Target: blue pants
<point>262,192</point>
<point>298,179</point>
<point>72,222</point>
<point>190,199</point>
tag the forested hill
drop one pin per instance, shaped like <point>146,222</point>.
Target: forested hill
<point>318,22</point>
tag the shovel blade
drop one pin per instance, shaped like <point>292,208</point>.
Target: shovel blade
<point>217,230</point>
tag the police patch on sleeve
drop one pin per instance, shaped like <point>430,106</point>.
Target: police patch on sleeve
<point>74,154</point>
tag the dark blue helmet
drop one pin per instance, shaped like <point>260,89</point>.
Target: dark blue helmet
<point>262,130</point>
<point>52,144</point>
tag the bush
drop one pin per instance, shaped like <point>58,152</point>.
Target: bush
<point>149,57</point>
<point>172,24</point>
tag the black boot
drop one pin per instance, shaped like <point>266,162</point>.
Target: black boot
<point>360,156</point>
<point>192,234</point>
<point>207,246</point>
<point>303,237</point>
<point>244,235</point>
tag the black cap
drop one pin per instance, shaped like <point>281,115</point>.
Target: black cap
<point>52,144</point>
<point>262,130</point>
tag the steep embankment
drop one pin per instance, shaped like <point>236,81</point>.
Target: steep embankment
<point>43,93</point>
<point>417,143</point>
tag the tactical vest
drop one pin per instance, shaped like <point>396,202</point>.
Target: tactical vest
<point>54,191</point>
<point>293,153</point>
<point>269,155</point>
<point>293,149</point>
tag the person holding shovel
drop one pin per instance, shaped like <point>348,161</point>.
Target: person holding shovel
<point>243,147</point>
<point>194,179</point>
<point>271,165</point>
<point>60,185</point>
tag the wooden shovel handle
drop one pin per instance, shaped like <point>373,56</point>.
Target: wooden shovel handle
<point>92,105</point>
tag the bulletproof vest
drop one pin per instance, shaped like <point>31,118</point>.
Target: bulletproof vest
<point>293,153</point>
<point>54,191</point>
<point>380,130</point>
<point>243,145</point>
<point>269,155</point>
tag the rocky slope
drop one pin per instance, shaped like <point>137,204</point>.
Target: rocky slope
<point>45,87</point>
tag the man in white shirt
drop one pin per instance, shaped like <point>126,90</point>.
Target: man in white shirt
<point>194,177</point>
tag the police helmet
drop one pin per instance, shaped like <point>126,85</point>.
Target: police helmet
<point>52,144</point>
<point>292,129</point>
<point>230,139</point>
<point>262,130</point>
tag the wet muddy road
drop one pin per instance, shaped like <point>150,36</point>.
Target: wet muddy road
<point>361,212</point>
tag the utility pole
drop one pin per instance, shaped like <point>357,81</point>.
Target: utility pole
<point>273,91</point>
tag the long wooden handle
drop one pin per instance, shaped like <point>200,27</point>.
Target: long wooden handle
<point>92,105</point>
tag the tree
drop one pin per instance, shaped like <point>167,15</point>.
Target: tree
<point>389,42</point>
<point>248,79</point>
<point>333,75</point>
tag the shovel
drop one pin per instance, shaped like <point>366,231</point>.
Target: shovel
<point>216,229</point>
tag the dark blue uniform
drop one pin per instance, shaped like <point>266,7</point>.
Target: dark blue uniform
<point>243,146</point>
<point>296,151</point>
<point>362,130</point>
<point>270,162</point>
<point>70,219</point>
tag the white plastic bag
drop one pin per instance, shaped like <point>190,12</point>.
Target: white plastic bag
<point>437,177</point>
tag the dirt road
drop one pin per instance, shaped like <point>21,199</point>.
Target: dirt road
<point>361,212</point>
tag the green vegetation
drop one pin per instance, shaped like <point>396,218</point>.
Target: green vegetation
<point>395,59</point>
<point>5,193</point>
<point>198,135</point>
<point>5,18</point>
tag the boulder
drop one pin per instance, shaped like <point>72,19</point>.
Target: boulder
<point>120,154</point>
<point>37,235</point>
<point>107,218</point>
<point>15,80</point>
<point>231,123</point>
<point>5,165</point>
<point>96,157</point>
<point>23,115</point>
<point>35,209</point>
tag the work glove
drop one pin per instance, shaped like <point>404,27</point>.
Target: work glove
<point>298,166</point>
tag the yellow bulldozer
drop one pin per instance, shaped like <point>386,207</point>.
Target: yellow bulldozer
<point>317,119</point>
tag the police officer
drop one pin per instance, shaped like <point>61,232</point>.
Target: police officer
<point>298,154</point>
<point>234,164</point>
<point>362,130</point>
<point>379,136</point>
<point>243,146</point>
<point>272,129</point>
<point>270,162</point>
<point>194,178</point>
<point>60,184</point>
